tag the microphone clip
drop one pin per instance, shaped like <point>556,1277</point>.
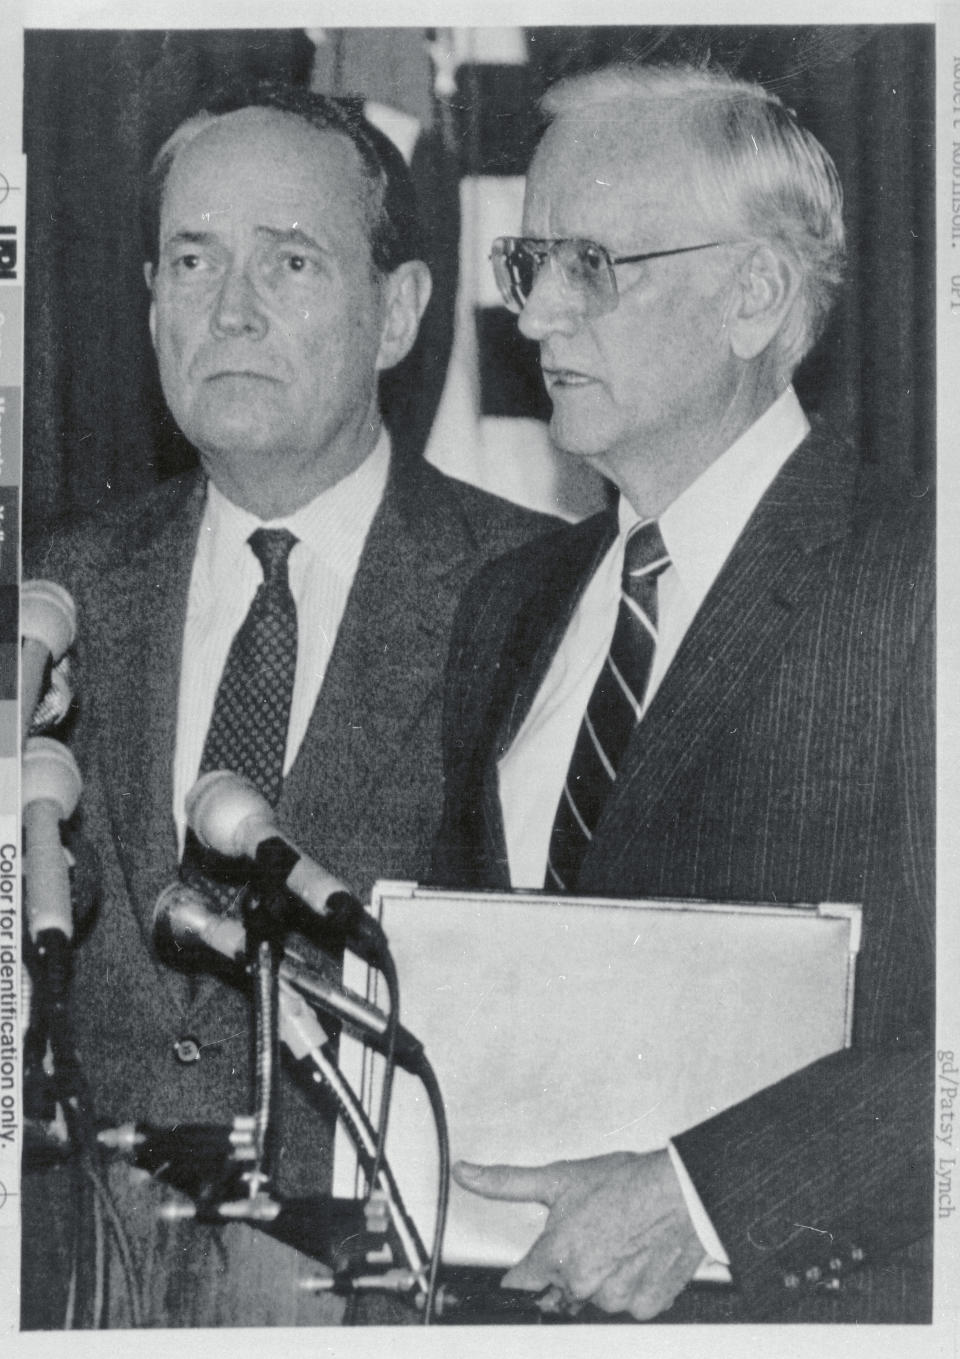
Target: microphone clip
<point>266,908</point>
<point>274,863</point>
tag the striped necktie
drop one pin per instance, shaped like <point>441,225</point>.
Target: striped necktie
<point>614,709</point>
<point>251,711</point>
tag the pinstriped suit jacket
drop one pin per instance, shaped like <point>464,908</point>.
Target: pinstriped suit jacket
<point>787,756</point>
<point>363,796</point>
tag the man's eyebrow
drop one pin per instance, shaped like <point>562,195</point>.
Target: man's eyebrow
<point>289,236</point>
<point>188,238</point>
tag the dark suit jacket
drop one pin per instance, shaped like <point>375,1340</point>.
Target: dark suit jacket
<point>787,756</point>
<point>363,796</point>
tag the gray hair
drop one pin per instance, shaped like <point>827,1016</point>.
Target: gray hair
<point>390,204</point>
<point>756,171</point>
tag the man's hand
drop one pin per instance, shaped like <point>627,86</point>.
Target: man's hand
<point>618,1233</point>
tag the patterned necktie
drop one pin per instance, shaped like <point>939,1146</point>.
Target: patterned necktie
<point>251,712</point>
<point>615,708</point>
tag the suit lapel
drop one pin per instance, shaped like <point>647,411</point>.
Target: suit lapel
<point>539,631</point>
<point>388,657</point>
<point>746,620</point>
<point>535,630</point>
<point>146,602</point>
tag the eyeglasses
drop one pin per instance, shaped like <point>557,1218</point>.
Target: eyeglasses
<point>584,267</point>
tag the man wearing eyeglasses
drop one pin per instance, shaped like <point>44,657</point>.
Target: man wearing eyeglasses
<point>723,690</point>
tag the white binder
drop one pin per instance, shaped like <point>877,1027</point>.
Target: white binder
<point>565,1028</point>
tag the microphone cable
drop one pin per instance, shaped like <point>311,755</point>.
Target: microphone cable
<point>359,1127</point>
<point>431,1085</point>
<point>99,1205</point>
<point>388,970</point>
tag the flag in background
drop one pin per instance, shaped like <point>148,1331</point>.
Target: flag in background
<point>458,104</point>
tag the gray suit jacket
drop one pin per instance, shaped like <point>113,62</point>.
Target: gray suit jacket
<point>363,796</point>
<point>787,756</point>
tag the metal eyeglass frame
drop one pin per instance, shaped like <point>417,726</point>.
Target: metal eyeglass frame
<point>603,298</point>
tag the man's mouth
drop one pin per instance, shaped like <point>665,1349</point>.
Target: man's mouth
<point>566,377</point>
<point>244,374</point>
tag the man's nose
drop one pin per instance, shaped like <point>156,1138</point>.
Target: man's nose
<point>238,309</point>
<point>553,307</point>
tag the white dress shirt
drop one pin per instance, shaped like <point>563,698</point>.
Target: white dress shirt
<point>331,530</point>
<point>699,530</point>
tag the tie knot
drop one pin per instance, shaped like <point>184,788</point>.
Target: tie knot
<point>272,547</point>
<point>645,555</point>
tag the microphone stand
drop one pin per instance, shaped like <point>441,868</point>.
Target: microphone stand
<point>53,1084</point>
<point>228,1171</point>
<point>263,917</point>
<point>263,909</point>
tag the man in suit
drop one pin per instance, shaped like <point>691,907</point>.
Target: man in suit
<point>284,276</point>
<point>739,710</point>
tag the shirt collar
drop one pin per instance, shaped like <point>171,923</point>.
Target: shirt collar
<point>701,526</point>
<point>332,527</point>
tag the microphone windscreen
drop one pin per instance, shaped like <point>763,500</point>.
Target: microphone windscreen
<point>227,813</point>
<point>48,615</point>
<point>184,922</point>
<point>50,773</point>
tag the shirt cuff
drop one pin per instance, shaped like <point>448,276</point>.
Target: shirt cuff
<point>716,1267</point>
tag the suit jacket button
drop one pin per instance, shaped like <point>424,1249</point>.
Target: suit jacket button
<point>791,1280</point>
<point>813,1274</point>
<point>186,1050</point>
<point>832,1284</point>
<point>836,1264</point>
<point>856,1253</point>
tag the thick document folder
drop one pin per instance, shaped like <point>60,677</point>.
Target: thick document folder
<point>565,1028</point>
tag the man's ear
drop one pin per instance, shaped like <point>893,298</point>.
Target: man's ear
<point>406,294</point>
<point>763,295</point>
<point>148,276</point>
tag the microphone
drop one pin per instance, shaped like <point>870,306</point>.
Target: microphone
<point>229,815</point>
<point>182,917</point>
<point>50,792</point>
<point>48,625</point>
<point>51,789</point>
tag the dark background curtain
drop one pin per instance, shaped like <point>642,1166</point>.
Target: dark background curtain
<point>98,104</point>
